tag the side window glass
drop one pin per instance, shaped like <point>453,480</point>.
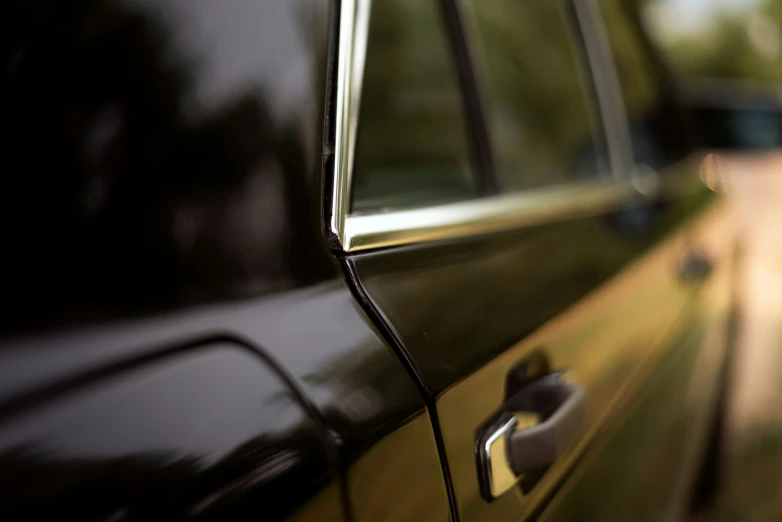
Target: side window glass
<point>412,147</point>
<point>538,113</point>
<point>659,129</point>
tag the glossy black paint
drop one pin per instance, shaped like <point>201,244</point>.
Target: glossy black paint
<point>463,309</point>
<point>435,295</point>
<point>163,177</point>
<point>162,153</point>
<point>224,438</point>
<point>673,434</point>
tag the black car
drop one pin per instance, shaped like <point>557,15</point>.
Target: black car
<point>354,261</point>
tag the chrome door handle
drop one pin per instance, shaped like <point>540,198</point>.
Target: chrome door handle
<point>506,450</point>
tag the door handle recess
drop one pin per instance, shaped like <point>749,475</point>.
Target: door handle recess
<point>506,450</point>
<point>695,265</point>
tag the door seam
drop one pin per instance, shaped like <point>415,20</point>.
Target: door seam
<point>395,343</point>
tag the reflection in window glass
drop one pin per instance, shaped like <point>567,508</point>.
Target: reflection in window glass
<point>739,39</point>
<point>658,129</point>
<point>412,146</point>
<point>540,122</point>
<point>637,76</point>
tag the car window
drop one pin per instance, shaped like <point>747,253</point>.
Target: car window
<point>412,147</point>
<point>637,76</point>
<point>659,130</point>
<point>538,112</point>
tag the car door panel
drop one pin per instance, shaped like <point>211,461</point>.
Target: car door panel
<point>590,256</point>
<point>526,277</point>
<point>623,475</point>
<point>609,289</point>
<point>642,465</point>
<point>400,478</point>
<point>468,312</point>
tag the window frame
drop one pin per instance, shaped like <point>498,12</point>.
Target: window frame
<point>349,233</point>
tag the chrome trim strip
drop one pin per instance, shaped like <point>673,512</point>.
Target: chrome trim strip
<point>496,475</point>
<point>605,78</point>
<point>351,48</point>
<point>545,205</point>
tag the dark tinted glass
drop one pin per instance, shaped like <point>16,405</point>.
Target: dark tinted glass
<point>539,116</point>
<point>412,145</point>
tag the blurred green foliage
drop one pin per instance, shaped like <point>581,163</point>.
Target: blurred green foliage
<point>742,43</point>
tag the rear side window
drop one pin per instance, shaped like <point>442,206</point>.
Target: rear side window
<point>412,147</point>
<point>538,112</point>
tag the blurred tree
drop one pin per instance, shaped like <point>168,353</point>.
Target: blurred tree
<point>739,44</point>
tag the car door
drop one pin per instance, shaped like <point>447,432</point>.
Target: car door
<point>520,240</point>
<point>177,341</point>
<point>665,432</point>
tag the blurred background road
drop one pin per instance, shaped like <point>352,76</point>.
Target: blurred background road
<point>751,481</point>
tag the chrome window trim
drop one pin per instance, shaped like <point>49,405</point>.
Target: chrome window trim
<point>360,232</point>
<point>608,90</point>
<point>351,52</point>
<point>484,215</point>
